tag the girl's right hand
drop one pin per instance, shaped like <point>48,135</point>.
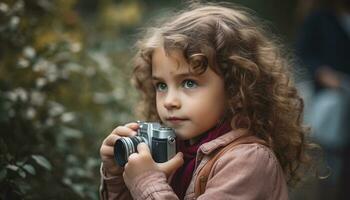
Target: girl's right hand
<point>107,149</point>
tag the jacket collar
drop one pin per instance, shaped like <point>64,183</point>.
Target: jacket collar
<point>222,141</point>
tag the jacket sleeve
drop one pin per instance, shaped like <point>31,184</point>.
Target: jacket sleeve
<point>248,172</point>
<point>113,187</point>
<point>152,185</point>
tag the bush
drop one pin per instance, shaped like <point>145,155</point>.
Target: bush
<point>60,96</point>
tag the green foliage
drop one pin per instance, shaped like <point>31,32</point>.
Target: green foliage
<point>62,90</point>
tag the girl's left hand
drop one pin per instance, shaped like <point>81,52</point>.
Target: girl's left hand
<point>141,162</point>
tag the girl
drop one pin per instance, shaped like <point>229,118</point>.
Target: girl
<point>214,76</point>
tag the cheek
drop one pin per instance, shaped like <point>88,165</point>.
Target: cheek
<point>212,104</point>
<point>209,100</point>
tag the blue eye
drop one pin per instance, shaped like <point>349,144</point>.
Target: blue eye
<point>161,87</point>
<point>189,84</point>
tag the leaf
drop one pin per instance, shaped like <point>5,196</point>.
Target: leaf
<point>23,187</point>
<point>71,132</point>
<point>21,173</point>
<point>20,163</point>
<point>42,161</point>
<point>12,167</point>
<point>30,169</point>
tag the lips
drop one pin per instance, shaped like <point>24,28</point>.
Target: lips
<point>175,119</point>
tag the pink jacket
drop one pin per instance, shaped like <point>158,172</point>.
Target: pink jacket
<point>247,172</point>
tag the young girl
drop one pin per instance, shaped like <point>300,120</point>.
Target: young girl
<point>212,74</point>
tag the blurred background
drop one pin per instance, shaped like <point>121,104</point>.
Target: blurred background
<point>65,69</point>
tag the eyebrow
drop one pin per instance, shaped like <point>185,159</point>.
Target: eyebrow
<point>177,76</point>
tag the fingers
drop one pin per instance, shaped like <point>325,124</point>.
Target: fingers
<point>143,154</point>
<point>125,178</point>
<point>107,147</point>
<point>110,139</point>
<point>129,130</point>
<point>172,165</point>
<point>133,157</point>
<point>124,131</point>
<point>143,149</point>
<point>138,163</point>
<point>133,125</point>
<point>106,151</point>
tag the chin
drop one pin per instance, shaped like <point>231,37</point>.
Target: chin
<point>181,136</point>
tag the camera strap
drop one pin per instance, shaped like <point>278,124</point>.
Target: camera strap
<point>202,176</point>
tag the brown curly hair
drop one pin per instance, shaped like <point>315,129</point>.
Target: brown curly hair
<point>257,75</point>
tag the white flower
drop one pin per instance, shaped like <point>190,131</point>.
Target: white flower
<point>52,77</point>
<point>40,82</point>
<point>37,98</point>
<point>31,112</point>
<point>29,52</point>
<point>23,63</point>
<point>74,67</point>
<point>67,117</point>
<point>41,65</point>
<point>102,60</point>
<point>55,109</point>
<point>4,7</point>
<point>14,21</point>
<point>18,93</point>
<point>51,72</point>
<point>75,47</point>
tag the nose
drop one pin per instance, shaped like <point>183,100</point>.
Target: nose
<point>172,101</point>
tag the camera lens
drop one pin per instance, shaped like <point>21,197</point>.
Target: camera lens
<point>124,147</point>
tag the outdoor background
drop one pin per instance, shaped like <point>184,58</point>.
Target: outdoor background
<point>64,85</point>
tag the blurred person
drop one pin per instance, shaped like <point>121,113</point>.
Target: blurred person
<point>212,74</point>
<point>323,46</point>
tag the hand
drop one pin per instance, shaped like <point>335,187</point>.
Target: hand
<point>141,162</point>
<point>107,148</point>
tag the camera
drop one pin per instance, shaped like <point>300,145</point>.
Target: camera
<point>160,140</point>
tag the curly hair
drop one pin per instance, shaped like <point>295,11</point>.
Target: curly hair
<point>257,75</point>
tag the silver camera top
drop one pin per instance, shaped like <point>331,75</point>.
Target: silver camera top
<point>155,130</point>
<point>146,129</point>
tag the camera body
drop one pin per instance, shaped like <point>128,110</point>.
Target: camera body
<point>160,140</point>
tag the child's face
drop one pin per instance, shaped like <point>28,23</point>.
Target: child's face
<point>189,103</point>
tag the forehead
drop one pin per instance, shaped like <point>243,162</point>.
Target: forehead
<point>173,62</point>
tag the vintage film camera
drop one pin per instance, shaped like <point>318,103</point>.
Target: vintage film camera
<point>160,140</point>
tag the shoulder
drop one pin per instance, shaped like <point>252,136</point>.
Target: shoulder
<point>252,169</point>
<point>253,157</point>
<point>252,166</point>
